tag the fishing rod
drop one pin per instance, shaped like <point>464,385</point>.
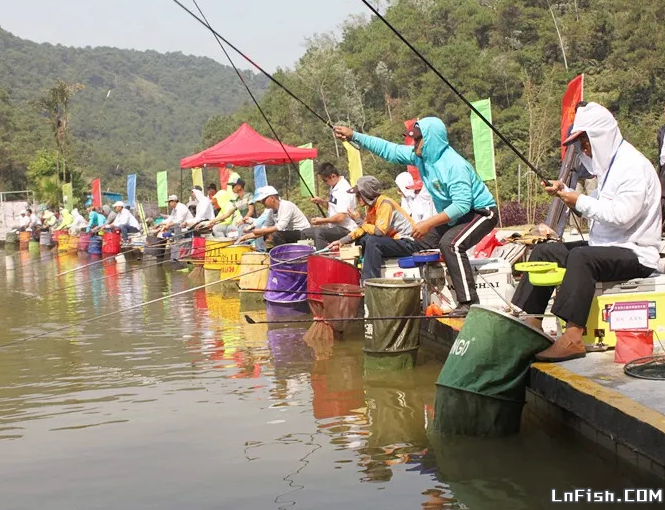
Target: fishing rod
<point>354,319</point>
<point>458,93</point>
<point>359,293</point>
<point>157,300</point>
<point>135,269</point>
<point>249,91</point>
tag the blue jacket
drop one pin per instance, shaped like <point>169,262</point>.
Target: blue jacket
<point>454,185</point>
<point>96,220</point>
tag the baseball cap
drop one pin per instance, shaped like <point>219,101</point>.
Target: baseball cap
<point>119,204</point>
<point>414,132</point>
<point>172,197</point>
<point>264,192</point>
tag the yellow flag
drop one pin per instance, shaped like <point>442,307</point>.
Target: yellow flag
<point>355,164</point>
<point>197,177</point>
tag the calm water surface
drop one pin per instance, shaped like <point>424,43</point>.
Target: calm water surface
<point>182,405</point>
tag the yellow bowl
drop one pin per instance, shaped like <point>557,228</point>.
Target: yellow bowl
<point>547,279</point>
<point>535,267</point>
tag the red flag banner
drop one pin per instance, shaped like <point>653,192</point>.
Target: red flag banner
<point>224,174</point>
<point>574,94</point>
<point>410,141</point>
<point>96,193</point>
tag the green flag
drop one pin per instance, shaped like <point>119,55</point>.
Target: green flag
<point>483,141</point>
<point>68,196</point>
<point>162,189</point>
<point>307,173</point>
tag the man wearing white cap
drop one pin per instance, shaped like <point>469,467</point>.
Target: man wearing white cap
<point>124,221</point>
<point>179,213</point>
<point>623,238</point>
<point>23,221</point>
<point>284,220</point>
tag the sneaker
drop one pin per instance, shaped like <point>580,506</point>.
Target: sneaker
<point>462,309</point>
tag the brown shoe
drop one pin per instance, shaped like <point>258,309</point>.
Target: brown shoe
<point>562,350</point>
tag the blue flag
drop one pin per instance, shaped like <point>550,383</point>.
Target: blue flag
<point>131,190</point>
<point>260,178</point>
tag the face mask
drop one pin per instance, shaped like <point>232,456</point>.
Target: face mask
<point>587,163</point>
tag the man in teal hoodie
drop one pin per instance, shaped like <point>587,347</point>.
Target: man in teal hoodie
<point>466,210</point>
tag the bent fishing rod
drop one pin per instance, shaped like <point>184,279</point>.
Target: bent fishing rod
<point>157,300</point>
<point>251,95</point>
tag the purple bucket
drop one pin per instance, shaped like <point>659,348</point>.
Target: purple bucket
<point>289,276</point>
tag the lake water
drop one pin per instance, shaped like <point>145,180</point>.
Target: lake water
<point>183,405</point>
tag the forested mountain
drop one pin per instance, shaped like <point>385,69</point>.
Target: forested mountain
<point>519,53</point>
<point>138,111</point>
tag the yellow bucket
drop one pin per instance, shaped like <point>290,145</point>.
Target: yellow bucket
<point>63,242</point>
<point>73,243</point>
<point>256,264</point>
<point>222,257</point>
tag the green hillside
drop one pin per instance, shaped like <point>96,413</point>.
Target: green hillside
<point>140,111</point>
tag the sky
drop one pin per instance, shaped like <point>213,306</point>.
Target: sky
<point>271,32</point>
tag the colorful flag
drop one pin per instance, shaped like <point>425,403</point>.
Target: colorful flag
<point>483,141</point>
<point>224,176</point>
<point>260,178</point>
<point>68,196</point>
<point>574,94</point>
<point>413,170</point>
<point>131,190</point>
<point>96,193</point>
<point>197,177</point>
<point>306,170</point>
<point>355,163</point>
<point>162,189</point>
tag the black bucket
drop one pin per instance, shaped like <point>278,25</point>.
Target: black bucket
<point>155,246</point>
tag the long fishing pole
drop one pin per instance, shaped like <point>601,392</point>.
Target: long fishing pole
<point>350,319</point>
<point>209,250</point>
<point>359,293</point>
<point>157,300</point>
<point>256,103</point>
<point>457,93</point>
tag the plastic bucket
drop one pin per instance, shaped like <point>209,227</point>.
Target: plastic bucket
<point>213,252</point>
<point>111,243</point>
<point>155,246</point>
<point>11,238</point>
<point>225,259</point>
<point>198,248</point>
<point>95,245</point>
<point>288,279</point>
<point>24,237</point>
<point>345,304</point>
<point>392,344</point>
<point>181,249</point>
<point>73,243</point>
<point>254,271</point>
<point>326,270</point>
<point>63,242</point>
<point>45,239</point>
<point>84,242</point>
<point>482,386</point>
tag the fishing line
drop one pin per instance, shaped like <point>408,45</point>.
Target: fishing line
<point>157,300</point>
<point>219,39</point>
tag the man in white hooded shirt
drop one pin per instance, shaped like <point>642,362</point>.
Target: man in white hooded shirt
<point>625,223</point>
<point>204,208</point>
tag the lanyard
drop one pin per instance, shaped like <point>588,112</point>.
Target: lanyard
<point>610,168</point>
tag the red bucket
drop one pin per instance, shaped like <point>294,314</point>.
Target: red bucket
<point>111,243</point>
<point>632,345</point>
<point>198,248</point>
<point>322,270</point>
<point>84,242</point>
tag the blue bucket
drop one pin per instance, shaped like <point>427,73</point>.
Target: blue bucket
<point>95,246</point>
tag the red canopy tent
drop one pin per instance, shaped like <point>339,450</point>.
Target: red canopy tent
<point>246,147</point>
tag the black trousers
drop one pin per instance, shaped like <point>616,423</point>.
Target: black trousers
<point>377,248</point>
<point>455,241</point>
<point>585,265</point>
<point>286,236</point>
<point>323,236</point>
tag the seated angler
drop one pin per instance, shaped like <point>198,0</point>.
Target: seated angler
<point>179,214</point>
<point>624,235</point>
<point>466,210</point>
<point>285,222</point>
<point>124,221</point>
<point>338,223</point>
<point>387,231</point>
<point>204,210</point>
<point>96,219</point>
<point>231,219</point>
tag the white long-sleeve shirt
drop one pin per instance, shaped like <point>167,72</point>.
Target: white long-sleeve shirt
<point>662,156</point>
<point>625,208</point>
<point>124,217</point>
<point>179,214</point>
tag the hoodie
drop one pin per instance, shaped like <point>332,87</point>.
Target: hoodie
<point>625,208</point>
<point>66,219</point>
<point>79,221</point>
<point>408,195</point>
<point>204,209</point>
<point>454,185</point>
